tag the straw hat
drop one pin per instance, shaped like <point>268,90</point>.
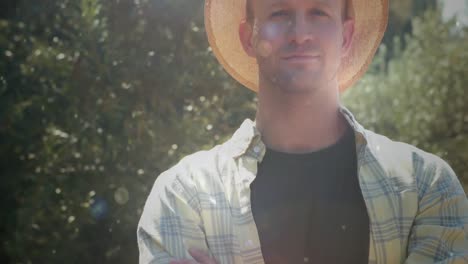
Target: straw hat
<point>222,18</point>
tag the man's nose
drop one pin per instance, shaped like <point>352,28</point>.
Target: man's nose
<point>301,29</point>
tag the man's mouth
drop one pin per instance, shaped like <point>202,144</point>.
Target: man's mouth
<point>301,58</point>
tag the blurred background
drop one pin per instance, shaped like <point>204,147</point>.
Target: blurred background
<point>97,97</point>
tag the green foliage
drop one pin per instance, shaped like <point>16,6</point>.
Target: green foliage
<point>419,96</point>
<point>400,14</point>
<point>99,97</point>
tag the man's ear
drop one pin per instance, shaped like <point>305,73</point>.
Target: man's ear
<point>245,36</point>
<point>348,33</point>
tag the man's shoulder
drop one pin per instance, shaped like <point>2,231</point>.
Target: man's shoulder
<point>403,160</point>
<point>382,145</point>
<point>201,169</point>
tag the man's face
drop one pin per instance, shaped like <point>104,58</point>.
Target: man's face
<point>299,43</point>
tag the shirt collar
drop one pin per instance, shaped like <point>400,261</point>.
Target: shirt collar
<point>247,139</point>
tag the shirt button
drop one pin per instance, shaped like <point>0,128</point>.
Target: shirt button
<point>256,149</point>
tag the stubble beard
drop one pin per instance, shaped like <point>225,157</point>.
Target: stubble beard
<point>290,81</point>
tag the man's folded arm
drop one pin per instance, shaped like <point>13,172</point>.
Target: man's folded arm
<point>440,229</point>
<point>170,223</point>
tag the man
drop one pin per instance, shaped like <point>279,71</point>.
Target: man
<point>304,183</point>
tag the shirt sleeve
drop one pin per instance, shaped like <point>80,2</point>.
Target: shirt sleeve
<point>170,223</point>
<point>440,230</point>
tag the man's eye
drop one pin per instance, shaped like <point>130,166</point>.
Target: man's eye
<point>318,12</point>
<point>279,13</point>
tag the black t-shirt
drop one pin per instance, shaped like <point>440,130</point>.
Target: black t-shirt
<point>309,207</point>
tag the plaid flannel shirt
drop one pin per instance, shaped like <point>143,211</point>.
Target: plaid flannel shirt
<point>417,208</point>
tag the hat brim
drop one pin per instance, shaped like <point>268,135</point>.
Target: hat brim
<point>222,19</point>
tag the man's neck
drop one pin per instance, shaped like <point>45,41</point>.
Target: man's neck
<point>301,122</point>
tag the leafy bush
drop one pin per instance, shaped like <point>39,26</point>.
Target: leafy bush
<point>99,97</point>
<point>419,96</point>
